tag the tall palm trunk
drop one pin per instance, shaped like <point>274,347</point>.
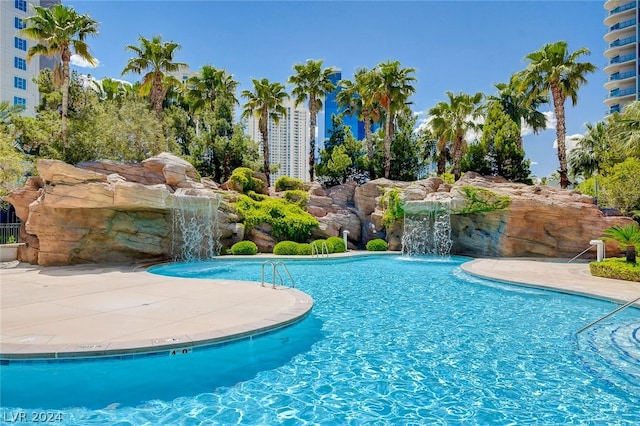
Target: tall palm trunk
<point>457,156</point>
<point>561,131</point>
<point>66,58</point>
<point>264,130</point>
<point>368,137</point>
<point>387,144</point>
<point>313,113</point>
<point>631,253</point>
<point>156,95</point>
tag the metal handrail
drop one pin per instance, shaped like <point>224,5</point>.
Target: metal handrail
<point>581,253</point>
<point>615,311</point>
<point>275,272</point>
<point>319,251</point>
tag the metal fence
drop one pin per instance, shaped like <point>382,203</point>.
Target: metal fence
<point>9,230</point>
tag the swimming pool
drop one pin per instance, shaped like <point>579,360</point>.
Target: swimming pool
<point>390,340</point>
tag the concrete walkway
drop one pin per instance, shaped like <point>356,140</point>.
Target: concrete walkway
<point>94,310</point>
<point>559,275</point>
<point>91,310</point>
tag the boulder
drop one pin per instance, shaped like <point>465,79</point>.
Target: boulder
<point>59,172</point>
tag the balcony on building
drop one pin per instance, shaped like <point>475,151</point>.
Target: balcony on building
<point>619,62</point>
<point>620,13</point>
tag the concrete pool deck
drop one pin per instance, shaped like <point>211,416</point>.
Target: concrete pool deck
<point>93,310</point>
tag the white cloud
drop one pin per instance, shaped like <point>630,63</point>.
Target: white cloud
<point>570,141</point>
<point>534,163</point>
<point>82,63</point>
<point>551,123</point>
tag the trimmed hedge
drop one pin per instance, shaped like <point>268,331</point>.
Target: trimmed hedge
<point>617,268</point>
<point>377,245</point>
<point>244,247</point>
<point>338,244</point>
<point>303,249</point>
<point>286,248</point>
<point>318,244</point>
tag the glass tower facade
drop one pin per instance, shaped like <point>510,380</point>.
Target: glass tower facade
<point>622,53</point>
<point>331,107</point>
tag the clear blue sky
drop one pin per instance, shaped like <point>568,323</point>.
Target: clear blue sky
<point>463,46</point>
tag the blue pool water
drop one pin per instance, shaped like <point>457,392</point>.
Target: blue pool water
<point>390,340</point>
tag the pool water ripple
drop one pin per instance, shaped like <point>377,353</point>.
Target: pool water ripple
<point>392,341</point>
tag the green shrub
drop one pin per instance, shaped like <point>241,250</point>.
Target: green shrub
<point>617,268</point>
<point>480,200</point>
<point>244,180</point>
<point>244,247</point>
<point>394,207</point>
<point>318,244</point>
<point>337,243</point>
<point>377,245</point>
<point>288,221</point>
<point>286,248</point>
<point>295,196</point>
<point>303,249</point>
<point>284,183</point>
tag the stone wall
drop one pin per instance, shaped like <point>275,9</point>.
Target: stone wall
<point>107,212</point>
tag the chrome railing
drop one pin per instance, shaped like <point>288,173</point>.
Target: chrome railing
<point>610,314</point>
<point>276,273</point>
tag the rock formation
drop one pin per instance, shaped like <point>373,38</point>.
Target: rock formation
<point>105,211</point>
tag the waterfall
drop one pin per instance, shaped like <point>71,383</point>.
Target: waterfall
<point>427,230</point>
<point>196,235</point>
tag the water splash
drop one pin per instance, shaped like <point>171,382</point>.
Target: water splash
<point>196,234</point>
<point>428,231</point>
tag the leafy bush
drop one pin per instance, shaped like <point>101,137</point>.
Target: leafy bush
<point>377,245</point>
<point>394,210</point>
<point>620,187</point>
<point>286,248</point>
<point>337,243</point>
<point>244,247</point>
<point>303,249</point>
<point>297,196</point>
<point>284,183</point>
<point>318,244</point>
<point>243,180</point>
<point>617,268</point>
<point>480,200</point>
<point>288,221</point>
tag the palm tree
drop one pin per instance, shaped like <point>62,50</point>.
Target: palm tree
<point>393,91</point>
<point>157,57</point>
<point>589,154</point>
<point>625,130</point>
<point>265,103</point>
<point>358,97</point>
<point>212,84</point>
<point>60,30</point>
<point>627,237</point>
<point>521,106</point>
<point>6,110</point>
<point>311,82</point>
<point>111,89</point>
<point>553,69</point>
<point>451,121</point>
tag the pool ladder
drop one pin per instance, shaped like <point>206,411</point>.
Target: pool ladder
<point>612,313</point>
<point>322,251</point>
<point>276,273</point>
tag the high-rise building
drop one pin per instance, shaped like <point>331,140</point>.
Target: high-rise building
<point>622,53</point>
<point>331,107</point>
<point>16,73</point>
<point>288,141</point>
